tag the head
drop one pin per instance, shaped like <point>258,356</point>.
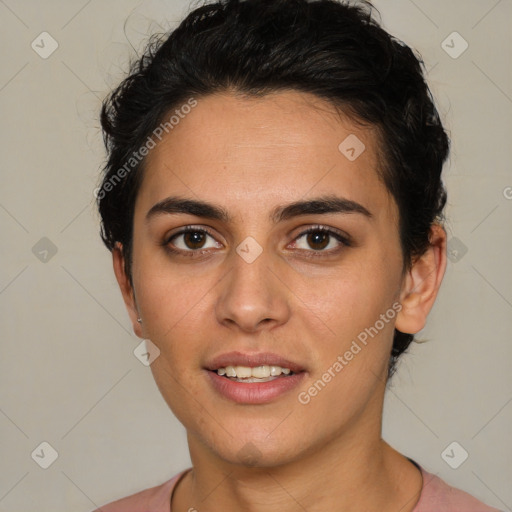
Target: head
<point>261,119</point>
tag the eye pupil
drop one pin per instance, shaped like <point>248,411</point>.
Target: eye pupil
<point>194,239</point>
<point>318,238</point>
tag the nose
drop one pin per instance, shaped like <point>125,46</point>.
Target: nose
<point>251,297</point>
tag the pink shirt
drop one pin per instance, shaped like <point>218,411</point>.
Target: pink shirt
<point>436,496</point>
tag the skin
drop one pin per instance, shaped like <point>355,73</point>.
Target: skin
<point>250,156</point>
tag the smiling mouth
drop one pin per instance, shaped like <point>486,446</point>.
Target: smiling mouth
<point>254,379</point>
<point>248,374</point>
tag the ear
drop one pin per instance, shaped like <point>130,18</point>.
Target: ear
<point>421,284</point>
<point>126,288</point>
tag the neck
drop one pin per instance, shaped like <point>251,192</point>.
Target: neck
<point>343,475</point>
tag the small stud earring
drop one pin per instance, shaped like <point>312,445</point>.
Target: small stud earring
<point>139,320</point>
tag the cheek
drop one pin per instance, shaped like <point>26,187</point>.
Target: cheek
<point>171,300</point>
<point>353,348</point>
<point>356,308</point>
<point>351,298</point>
<point>175,310</point>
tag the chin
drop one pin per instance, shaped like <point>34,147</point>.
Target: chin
<point>257,451</point>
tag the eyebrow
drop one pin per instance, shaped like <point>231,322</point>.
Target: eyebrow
<point>320,205</point>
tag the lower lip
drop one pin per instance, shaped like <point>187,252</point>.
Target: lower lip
<point>254,392</point>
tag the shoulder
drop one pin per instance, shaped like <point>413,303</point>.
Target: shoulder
<point>154,499</point>
<point>438,496</point>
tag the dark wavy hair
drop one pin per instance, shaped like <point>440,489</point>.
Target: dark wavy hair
<point>334,50</point>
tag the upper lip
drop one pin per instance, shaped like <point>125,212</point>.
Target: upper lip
<point>252,360</point>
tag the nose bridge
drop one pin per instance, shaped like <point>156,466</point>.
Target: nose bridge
<point>251,296</point>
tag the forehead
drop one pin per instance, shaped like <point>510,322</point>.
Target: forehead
<point>264,151</point>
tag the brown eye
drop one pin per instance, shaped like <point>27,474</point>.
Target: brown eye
<point>194,239</point>
<point>318,240</point>
<point>321,240</point>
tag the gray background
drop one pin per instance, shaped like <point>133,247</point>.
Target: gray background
<point>68,374</point>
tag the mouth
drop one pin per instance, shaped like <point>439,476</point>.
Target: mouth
<point>253,378</point>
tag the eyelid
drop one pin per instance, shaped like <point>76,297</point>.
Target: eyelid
<point>344,237</point>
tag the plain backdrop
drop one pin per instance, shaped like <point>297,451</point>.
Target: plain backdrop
<point>68,373</point>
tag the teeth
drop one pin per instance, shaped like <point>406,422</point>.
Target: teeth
<point>243,372</point>
<point>275,370</point>
<point>258,372</point>
<point>261,372</point>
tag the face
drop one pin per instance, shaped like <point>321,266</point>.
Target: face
<point>248,285</point>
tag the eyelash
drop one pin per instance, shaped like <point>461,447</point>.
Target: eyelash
<point>343,239</point>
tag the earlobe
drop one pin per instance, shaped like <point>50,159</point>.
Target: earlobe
<point>126,288</point>
<point>421,284</point>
